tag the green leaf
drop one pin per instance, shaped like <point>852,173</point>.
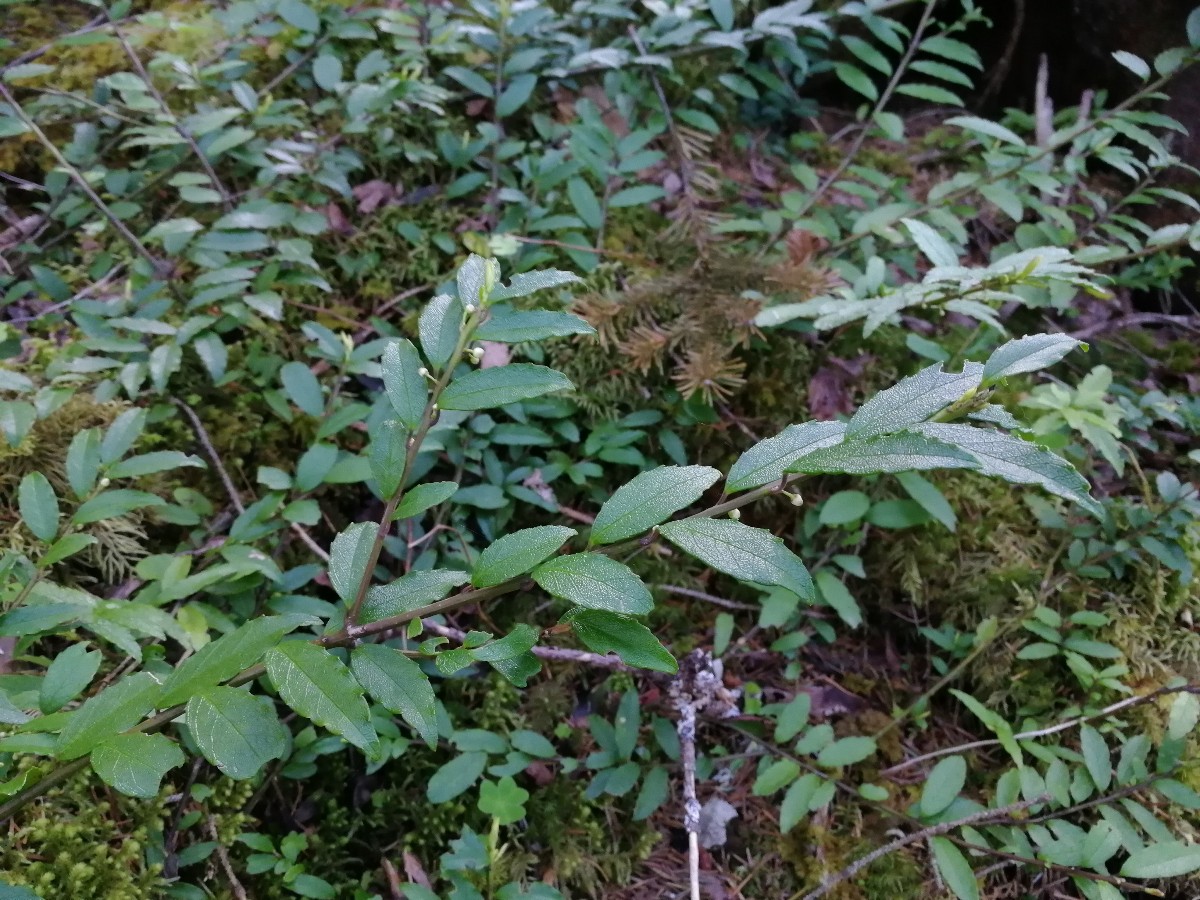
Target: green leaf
<point>635,644</point>
<point>517,553</point>
<point>349,555</point>
<point>399,686</point>
<point>327,71</point>
<point>83,462</point>
<point>955,870</point>
<point>514,326</point>
<point>1133,63</point>
<point>67,545</point>
<point>943,785</point>
<point>903,452</point>
<point>638,195</point>
<point>836,595</point>
<point>473,277</point>
<point>1163,860</point>
<point>122,434</point>
<point>586,205</point>
<point>846,752</point>
<point>912,400</point>
<point>439,328</point>
<point>792,718</point>
<point>767,460</point>
<point>1184,714</point>
<point>857,80</point>
<point>649,499</point>
<point>455,776</point>
<point>503,800</point>
<point>499,386</point>
<point>656,786</point>
<point>38,506</point>
<point>594,581</point>
<point>1096,757</point>
<point>530,282</point>
<point>532,744</point>
<point>303,388</point>
<point>406,387</point>
<point>1018,461</point>
<point>151,463</point>
<point>228,655</point>
<point>135,764</point>
<point>316,684</point>
<point>749,554</point>
<point>775,777</point>
<point>993,721</point>
<point>722,13</point>
<point>471,80</point>
<point>8,891</point>
<point>410,592</point>
<point>113,504</point>
<point>844,507</point>
<point>936,249</point>
<point>299,15</point>
<point>388,454</point>
<point>113,710</point>
<point>930,92</point>
<point>424,496</point>
<point>797,802</point>
<point>236,731</point>
<point>929,497</point>
<point>518,92</point>
<point>987,128</point>
<point>1028,354</point>
<point>68,676</point>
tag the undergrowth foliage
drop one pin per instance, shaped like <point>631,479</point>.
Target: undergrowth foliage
<point>254,481</point>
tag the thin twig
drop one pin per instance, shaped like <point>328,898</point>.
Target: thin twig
<point>977,818</point>
<point>74,174</point>
<point>707,598</point>
<point>211,452</point>
<point>173,119</point>
<point>223,858</point>
<point>551,654</point>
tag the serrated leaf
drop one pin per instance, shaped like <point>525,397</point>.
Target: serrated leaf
<point>499,386</point>
<point>151,463</point>
<point>228,655</point>
<point>455,776</point>
<point>530,282</point>
<point>943,785</point>
<point>316,684</point>
<point>986,127</point>
<point>514,326</point>
<point>1028,354</point>
<point>113,710</point>
<point>634,643</point>
<point>83,462</point>
<point>236,731</point>
<point>399,686</point>
<point>410,592</point>
<point>121,435</point>
<point>935,247</point>
<point>749,554</point>
<point>517,553</point>
<point>424,496</point>
<point>1095,757</point>
<point>767,460</point>
<point>439,328</point>
<point>68,676</point>
<point>388,454</point>
<point>905,451</point>
<point>349,555</point>
<point>650,498</point>
<point>956,871</point>
<point>135,764</point>
<point>1163,860</point>
<point>38,506</point>
<point>594,581</point>
<point>1018,461</point>
<point>912,400</point>
<point>406,388</point>
<point>113,504</point>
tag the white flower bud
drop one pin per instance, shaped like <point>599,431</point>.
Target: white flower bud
<point>423,372</point>
<point>470,308</point>
<point>735,514</point>
<point>105,482</point>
